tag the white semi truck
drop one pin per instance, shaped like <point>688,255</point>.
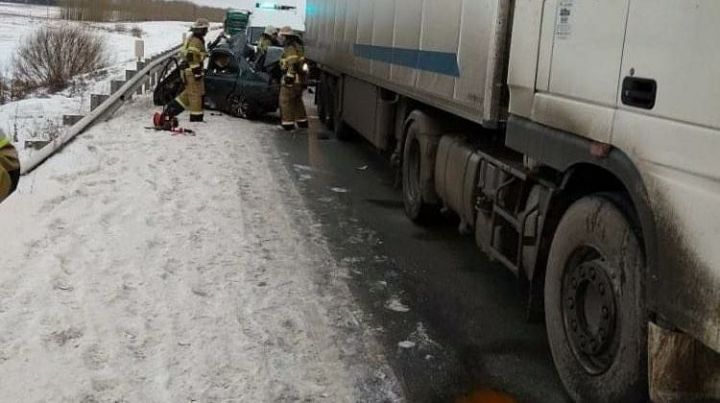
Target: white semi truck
<point>577,140</point>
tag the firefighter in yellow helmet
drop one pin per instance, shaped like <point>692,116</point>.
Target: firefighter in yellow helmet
<point>267,40</point>
<point>9,167</point>
<point>193,54</point>
<point>292,108</point>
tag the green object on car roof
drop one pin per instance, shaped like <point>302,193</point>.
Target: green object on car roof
<point>236,21</point>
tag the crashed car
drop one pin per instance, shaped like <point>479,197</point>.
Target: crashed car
<point>237,81</point>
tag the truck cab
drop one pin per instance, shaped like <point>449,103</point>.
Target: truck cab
<point>643,82</point>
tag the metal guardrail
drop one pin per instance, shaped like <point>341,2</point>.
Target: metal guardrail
<point>104,110</point>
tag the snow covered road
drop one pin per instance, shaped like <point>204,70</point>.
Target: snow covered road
<point>142,267</point>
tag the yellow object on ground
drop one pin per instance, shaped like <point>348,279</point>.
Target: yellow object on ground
<point>9,168</point>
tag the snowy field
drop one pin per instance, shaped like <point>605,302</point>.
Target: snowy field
<point>38,116</point>
<point>146,267</point>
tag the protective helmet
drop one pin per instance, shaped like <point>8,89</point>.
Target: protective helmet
<point>201,23</point>
<point>270,30</point>
<point>287,31</point>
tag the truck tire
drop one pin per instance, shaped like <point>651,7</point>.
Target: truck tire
<point>333,110</point>
<point>595,308</point>
<point>339,127</point>
<point>416,208</point>
<point>321,97</point>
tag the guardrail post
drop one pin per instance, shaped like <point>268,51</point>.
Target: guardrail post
<point>115,85</point>
<point>96,100</point>
<point>36,144</point>
<point>69,120</point>
<point>140,66</point>
<point>129,74</point>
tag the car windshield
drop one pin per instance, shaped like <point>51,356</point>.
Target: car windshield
<point>239,45</point>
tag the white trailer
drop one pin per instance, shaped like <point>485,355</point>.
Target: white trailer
<point>577,140</point>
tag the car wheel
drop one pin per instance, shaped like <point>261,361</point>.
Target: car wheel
<point>241,108</point>
<point>594,302</point>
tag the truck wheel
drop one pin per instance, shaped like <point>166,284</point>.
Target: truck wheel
<point>333,112</point>
<point>340,128</point>
<point>417,209</point>
<point>329,100</point>
<point>594,302</point>
<point>320,102</point>
<point>323,96</point>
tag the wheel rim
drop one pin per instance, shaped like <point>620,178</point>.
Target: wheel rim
<point>589,311</point>
<point>413,172</point>
<point>240,108</point>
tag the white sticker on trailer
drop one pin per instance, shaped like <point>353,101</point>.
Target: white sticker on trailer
<point>563,30</point>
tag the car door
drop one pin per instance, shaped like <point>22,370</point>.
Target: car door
<point>221,78</point>
<point>258,88</point>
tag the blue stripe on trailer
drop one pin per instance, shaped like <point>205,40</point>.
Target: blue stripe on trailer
<point>426,60</point>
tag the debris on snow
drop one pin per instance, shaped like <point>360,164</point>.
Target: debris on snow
<point>421,337</point>
<point>305,168</point>
<point>394,304</point>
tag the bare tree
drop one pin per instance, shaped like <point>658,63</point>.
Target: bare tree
<point>52,56</point>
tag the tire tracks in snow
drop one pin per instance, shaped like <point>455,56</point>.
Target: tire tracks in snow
<point>147,267</point>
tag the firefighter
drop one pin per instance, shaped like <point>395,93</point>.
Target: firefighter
<point>292,108</point>
<point>9,167</point>
<point>267,39</point>
<point>193,54</point>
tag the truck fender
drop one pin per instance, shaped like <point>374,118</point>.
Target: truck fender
<point>570,155</point>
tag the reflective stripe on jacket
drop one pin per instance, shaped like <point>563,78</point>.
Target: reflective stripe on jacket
<point>193,51</point>
<point>292,58</point>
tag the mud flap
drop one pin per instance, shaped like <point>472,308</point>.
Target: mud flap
<point>681,368</point>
